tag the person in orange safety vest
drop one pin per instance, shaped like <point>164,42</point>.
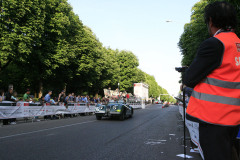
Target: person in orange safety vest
<point>215,76</point>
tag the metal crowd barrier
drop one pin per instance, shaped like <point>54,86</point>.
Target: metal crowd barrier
<point>136,104</point>
<point>22,109</point>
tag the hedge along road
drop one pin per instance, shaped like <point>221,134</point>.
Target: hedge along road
<point>151,134</point>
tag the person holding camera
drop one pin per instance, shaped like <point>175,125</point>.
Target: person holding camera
<point>215,76</point>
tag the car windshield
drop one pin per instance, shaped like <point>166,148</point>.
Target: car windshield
<point>116,102</point>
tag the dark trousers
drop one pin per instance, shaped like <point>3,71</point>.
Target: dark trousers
<point>218,142</point>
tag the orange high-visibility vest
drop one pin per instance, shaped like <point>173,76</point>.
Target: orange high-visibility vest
<point>216,99</point>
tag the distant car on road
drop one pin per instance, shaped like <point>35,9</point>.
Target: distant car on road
<point>158,102</point>
<point>114,109</point>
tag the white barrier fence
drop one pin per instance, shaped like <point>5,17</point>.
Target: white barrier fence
<point>25,109</point>
<point>136,105</point>
<point>9,109</point>
<point>193,128</point>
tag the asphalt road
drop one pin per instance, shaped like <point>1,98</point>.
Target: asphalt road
<point>152,134</point>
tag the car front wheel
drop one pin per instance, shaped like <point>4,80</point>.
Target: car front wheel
<point>99,117</point>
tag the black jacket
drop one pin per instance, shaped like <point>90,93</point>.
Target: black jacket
<point>9,97</point>
<point>209,57</point>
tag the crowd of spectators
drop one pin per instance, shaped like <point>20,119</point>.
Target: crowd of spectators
<point>62,97</point>
<point>72,98</point>
<point>11,95</point>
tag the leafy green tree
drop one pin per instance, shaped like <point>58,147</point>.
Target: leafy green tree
<point>153,86</point>
<point>196,31</point>
<point>128,64</point>
<point>44,45</point>
<point>87,66</point>
<point>20,28</point>
<point>21,23</point>
<point>110,69</point>
<point>140,76</point>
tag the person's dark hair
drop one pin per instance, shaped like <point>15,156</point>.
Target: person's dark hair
<point>222,14</point>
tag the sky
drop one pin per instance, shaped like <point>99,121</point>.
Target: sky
<point>140,26</point>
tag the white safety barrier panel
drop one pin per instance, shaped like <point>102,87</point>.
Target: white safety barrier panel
<point>25,109</point>
<point>136,105</point>
<point>193,128</point>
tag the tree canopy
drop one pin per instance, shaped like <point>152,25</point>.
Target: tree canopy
<point>45,46</point>
<point>196,31</point>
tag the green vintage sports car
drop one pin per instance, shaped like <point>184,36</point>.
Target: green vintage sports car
<point>114,109</point>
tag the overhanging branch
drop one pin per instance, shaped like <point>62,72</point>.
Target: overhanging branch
<point>5,65</point>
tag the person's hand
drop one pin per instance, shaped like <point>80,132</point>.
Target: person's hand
<point>182,87</point>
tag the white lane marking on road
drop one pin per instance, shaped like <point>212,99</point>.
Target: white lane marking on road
<point>154,142</point>
<point>48,129</point>
<point>182,156</point>
<point>172,134</point>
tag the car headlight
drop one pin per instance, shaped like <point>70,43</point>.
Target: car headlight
<point>114,107</point>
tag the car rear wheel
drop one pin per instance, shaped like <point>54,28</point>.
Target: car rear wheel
<point>98,117</point>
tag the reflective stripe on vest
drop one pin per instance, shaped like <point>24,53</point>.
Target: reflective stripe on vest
<point>216,98</point>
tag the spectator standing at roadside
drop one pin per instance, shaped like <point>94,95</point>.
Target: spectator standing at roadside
<point>14,96</point>
<point>85,99</point>
<point>215,76</point>
<point>92,100</point>
<point>48,98</point>
<point>127,96</point>
<point>82,97</point>
<point>88,99</point>
<point>72,97</point>
<point>61,96</point>
<point>68,99</point>
<point>9,95</point>
<point>42,101</point>
<point>96,100</point>
<point>2,97</point>
<point>78,99</point>
<point>26,96</point>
